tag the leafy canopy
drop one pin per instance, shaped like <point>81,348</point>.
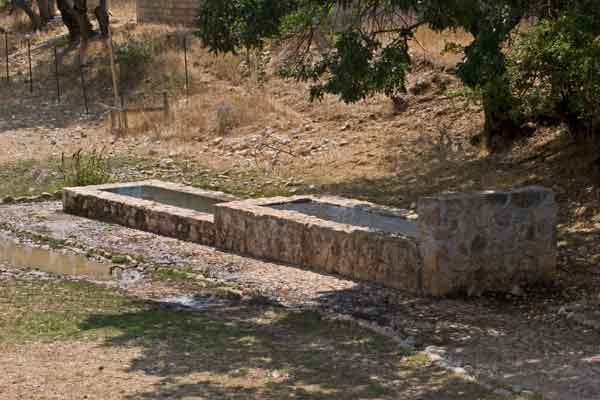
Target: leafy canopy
<point>356,48</point>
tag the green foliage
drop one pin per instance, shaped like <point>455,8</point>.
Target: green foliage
<point>225,26</point>
<point>359,67</point>
<point>174,81</point>
<point>366,49</point>
<point>83,169</point>
<point>555,67</point>
<point>134,54</point>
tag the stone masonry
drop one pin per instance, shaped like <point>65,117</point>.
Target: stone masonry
<point>487,241</point>
<point>466,243</point>
<point>95,202</point>
<point>459,243</point>
<point>172,12</point>
<point>253,228</point>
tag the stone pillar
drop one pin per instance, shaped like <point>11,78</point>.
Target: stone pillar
<point>487,241</point>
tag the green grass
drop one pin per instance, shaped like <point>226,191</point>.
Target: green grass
<point>32,311</point>
<point>29,177</point>
<point>243,351</point>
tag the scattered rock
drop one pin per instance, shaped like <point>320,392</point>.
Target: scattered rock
<point>419,87</point>
<point>503,393</point>
<point>46,196</point>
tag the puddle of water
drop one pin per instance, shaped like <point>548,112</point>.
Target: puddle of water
<point>169,197</point>
<point>50,261</point>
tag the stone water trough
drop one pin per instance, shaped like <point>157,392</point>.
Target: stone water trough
<point>455,243</point>
<point>163,208</point>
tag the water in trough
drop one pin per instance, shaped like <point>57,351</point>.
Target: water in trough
<point>169,197</point>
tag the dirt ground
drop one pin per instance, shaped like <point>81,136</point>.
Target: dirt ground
<point>522,343</point>
<point>69,339</point>
<point>546,341</point>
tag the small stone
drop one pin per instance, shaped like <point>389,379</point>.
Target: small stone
<point>46,196</point>
<point>502,393</point>
<point>517,389</point>
<point>165,163</point>
<point>516,291</point>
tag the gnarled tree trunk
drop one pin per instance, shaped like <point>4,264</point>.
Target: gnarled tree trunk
<point>26,7</point>
<point>103,17</point>
<point>75,18</point>
<point>45,13</point>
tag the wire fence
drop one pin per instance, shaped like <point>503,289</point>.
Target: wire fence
<point>52,74</point>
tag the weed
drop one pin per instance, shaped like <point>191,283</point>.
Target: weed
<point>173,274</point>
<point>174,82</point>
<point>225,120</point>
<point>134,54</point>
<point>83,169</point>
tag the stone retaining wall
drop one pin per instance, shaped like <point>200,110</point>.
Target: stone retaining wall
<point>172,12</point>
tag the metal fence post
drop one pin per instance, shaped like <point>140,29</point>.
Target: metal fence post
<point>187,78</point>
<point>30,68</point>
<point>6,54</point>
<point>83,89</point>
<point>56,73</point>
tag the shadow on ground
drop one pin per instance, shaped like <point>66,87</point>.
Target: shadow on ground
<point>251,352</point>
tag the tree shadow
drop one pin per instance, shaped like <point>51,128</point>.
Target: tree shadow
<point>256,352</point>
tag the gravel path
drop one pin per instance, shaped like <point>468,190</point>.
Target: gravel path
<point>525,342</point>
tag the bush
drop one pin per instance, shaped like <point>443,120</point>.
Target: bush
<point>555,69</point>
<point>83,169</point>
<point>134,54</point>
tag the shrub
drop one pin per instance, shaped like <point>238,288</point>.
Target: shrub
<point>83,169</point>
<point>555,69</point>
<point>225,120</point>
<point>134,54</point>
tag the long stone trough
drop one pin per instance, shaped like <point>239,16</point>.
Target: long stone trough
<point>163,208</point>
<point>455,243</point>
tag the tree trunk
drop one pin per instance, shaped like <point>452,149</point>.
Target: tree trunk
<point>501,124</point>
<point>35,19</point>
<point>69,19</point>
<point>103,17</point>
<point>85,26</point>
<point>75,18</point>
<point>44,7</point>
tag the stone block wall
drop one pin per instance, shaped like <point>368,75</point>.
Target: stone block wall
<point>487,241</point>
<point>459,243</point>
<point>96,203</point>
<point>253,228</point>
<point>172,12</point>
